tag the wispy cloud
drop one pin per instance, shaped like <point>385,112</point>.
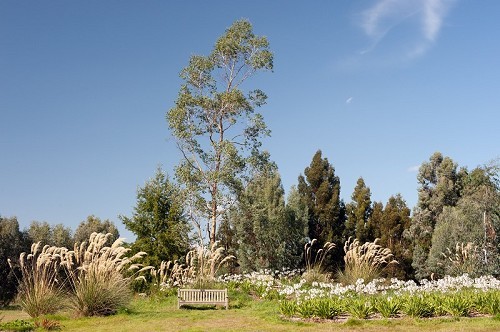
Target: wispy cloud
<point>413,169</point>
<point>426,16</point>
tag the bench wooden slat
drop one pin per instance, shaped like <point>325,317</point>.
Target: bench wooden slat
<point>202,296</point>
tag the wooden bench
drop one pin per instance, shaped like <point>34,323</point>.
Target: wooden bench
<point>202,296</point>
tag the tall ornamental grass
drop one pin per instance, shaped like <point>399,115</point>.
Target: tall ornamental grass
<point>464,258</point>
<point>172,274</point>
<point>364,261</point>
<point>204,264</point>
<point>98,275</point>
<point>41,290</point>
<point>315,270</point>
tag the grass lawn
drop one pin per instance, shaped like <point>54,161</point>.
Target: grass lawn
<point>150,314</point>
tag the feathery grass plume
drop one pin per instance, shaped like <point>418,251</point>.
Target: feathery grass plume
<point>364,261</point>
<point>315,271</point>
<point>96,273</point>
<point>464,259</point>
<point>172,274</point>
<point>40,290</point>
<point>203,263</point>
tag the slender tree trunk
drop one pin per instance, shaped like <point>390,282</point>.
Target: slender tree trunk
<point>213,222</point>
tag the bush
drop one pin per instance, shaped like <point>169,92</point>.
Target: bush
<point>288,308</point>
<point>12,243</point>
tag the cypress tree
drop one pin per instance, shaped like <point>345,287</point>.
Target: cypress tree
<point>319,189</point>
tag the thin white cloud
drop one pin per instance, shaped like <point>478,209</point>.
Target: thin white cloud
<point>349,100</point>
<point>413,169</point>
<point>426,15</point>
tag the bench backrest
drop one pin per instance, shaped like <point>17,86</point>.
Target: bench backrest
<point>202,296</point>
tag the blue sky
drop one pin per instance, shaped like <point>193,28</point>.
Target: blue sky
<point>377,85</point>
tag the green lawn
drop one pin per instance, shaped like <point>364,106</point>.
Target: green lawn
<point>145,314</point>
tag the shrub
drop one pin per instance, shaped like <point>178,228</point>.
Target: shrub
<point>363,261</point>
<point>12,243</point>
<point>464,258</point>
<point>435,301</point>
<point>96,276</point>
<point>40,291</point>
<point>171,274</point>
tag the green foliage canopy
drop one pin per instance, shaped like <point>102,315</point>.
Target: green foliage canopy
<point>12,242</point>
<point>158,221</point>
<point>215,123</point>
<point>95,224</point>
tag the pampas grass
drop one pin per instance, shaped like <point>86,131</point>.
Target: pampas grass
<point>464,259</point>
<point>96,274</point>
<point>315,271</point>
<point>172,274</point>
<point>364,261</point>
<point>205,262</point>
<point>40,290</point>
<point>200,270</point>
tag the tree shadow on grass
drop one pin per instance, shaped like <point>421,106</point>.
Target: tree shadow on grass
<point>201,307</point>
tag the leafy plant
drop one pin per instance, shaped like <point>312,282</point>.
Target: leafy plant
<point>359,307</point>
<point>418,306</point>
<point>17,325</point>
<point>306,309</point>
<point>327,308</point>
<point>488,302</point>
<point>288,308</point>
<point>363,261</point>
<point>457,306</point>
<point>388,306</point>
<point>435,301</point>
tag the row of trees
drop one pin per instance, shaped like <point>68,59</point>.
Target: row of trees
<point>62,236</point>
<point>265,229</point>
